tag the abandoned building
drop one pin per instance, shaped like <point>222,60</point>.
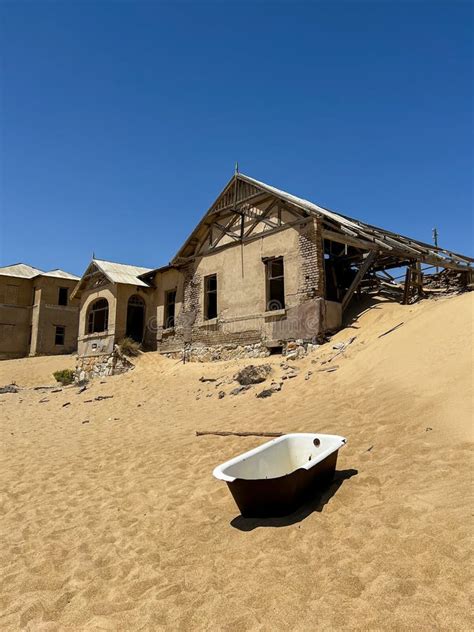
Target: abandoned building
<point>262,271</point>
<point>114,303</point>
<point>264,267</point>
<point>38,316</point>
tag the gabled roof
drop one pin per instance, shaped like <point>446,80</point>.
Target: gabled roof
<point>121,272</point>
<point>114,272</point>
<point>242,188</point>
<point>61,274</point>
<point>25,271</point>
<point>20,270</point>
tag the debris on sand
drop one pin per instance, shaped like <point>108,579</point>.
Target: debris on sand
<point>9,388</point>
<point>389,331</point>
<point>240,389</point>
<point>207,379</point>
<point>66,404</point>
<point>341,347</point>
<point>268,392</point>
<point>221,394</point>
<point>290,373</point>
<point>99,398</point>
<point>253,374</point>
<point>225,433</point>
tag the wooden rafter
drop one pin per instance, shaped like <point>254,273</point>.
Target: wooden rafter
<point>269,208</point>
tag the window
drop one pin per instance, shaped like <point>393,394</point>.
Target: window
<point>62,295</point>
<point>275,284</point>
<point>98,317</point>
<point>59,335</point>
<point>170,301</point>
<point>210,297</point>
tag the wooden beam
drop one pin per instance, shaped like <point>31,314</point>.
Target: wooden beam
<point>229,207</point>
<point>350,241</point>
<point>225,230</point>
<point>261,217</point>
<point>248,239</point>
<point>202,243</point>
<point>357,279</point>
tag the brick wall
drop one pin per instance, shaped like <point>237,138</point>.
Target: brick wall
<point>312,261</point>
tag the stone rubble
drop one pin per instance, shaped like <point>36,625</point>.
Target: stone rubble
<point>90,367</point>
<point>253,374</point>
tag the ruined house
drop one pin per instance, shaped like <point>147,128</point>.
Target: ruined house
<point>264,267</point>
<point>114,303</point>
<point>38,316</point>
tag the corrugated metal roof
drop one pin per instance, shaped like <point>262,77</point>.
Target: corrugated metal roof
<point>122,272</point>
<point>24,271</point>
<point>21,270</point>
<point>60,274</point>
<point>385,239</point>
<point>387,243</point>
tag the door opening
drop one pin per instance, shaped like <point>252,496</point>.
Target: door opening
<point>135,318</point>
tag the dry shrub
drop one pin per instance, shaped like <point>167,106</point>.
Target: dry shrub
<point>65,377</point>
<point>129,347</point>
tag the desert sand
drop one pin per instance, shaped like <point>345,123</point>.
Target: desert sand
<point>111,519</point>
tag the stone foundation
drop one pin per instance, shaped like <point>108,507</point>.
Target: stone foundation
<point>89,367</point>
<point>200,353</point>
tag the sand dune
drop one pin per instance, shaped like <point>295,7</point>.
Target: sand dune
<point>111,520</point>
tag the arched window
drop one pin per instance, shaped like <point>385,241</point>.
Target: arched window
<point>98,316</point>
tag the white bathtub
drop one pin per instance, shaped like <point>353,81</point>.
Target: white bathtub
<point>275,477</point>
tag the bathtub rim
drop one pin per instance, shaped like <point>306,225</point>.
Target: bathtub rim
<point>339,442</point>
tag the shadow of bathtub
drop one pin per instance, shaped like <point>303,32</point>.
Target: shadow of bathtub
<point>316,503</point>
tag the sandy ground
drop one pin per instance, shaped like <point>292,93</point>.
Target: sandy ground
<point>111,520</point>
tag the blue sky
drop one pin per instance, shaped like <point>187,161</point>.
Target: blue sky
<point>122,121</point>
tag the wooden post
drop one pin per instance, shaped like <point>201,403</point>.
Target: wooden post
<point>357,279</point>
<point>406,289</point>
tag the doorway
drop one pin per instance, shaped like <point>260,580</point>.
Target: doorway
<point>135,318</point>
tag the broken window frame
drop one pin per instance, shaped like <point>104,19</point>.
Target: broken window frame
<point>275,284</point>
<point>63,296</point>
<point>97,311</point>
<point>170,302</point>
<point>59,335</point>
<point>210,297</point>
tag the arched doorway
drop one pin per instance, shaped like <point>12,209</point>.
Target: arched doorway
<point>135,318</point>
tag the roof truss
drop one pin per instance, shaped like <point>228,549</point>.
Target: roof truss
<point>248,209</point>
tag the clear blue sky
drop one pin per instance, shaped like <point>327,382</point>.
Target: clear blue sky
<point>121,121</point>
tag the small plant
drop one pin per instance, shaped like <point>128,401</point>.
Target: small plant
<point>65,377</point>
<point>129,347</point>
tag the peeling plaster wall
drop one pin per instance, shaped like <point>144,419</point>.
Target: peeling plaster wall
<point>241,283</point>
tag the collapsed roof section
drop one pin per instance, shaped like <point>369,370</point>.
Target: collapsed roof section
<point>245,202</point>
